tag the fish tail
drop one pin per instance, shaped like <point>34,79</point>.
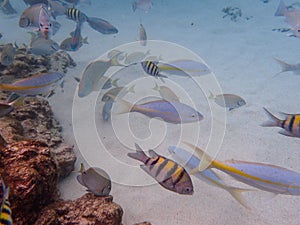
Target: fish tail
<point>211,95</point>
<point>114,60</point>
<point>205,162</point>
<point>236,193</point>
<point>131,89</point>
<point>85,41</point>
<point>284,66</point>
<point>115,82</point>
<point>139,154</point>
<point>156,88</point>
<point>281,10</point>
<point>273,120</point>
<point>134,7</point>
<point>125,107</point>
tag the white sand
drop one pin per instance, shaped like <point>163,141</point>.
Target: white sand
<point>241,56</point>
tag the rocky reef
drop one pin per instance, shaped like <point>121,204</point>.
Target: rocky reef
<point>88,209</point>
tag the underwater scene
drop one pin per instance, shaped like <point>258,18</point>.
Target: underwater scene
<point>149,112</point>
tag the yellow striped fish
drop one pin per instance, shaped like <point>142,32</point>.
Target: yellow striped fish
<point>5,216</point>
<point>76,15</point>
<point>152,69</point>
<point>290,124</point>
<point>166,172</point>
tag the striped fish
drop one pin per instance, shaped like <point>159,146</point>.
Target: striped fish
<point>5,216</point>
<point>76,15</point>
<point>152,69</point>
<point>166,172</point>
<point>290,124</point>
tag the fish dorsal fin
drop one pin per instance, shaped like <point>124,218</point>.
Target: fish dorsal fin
<point>152,153</point>
<point>138,148</point>
<point>82,169</point>
<point>205,162</point>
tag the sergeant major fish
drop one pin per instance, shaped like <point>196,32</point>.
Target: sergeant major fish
<point>166,172</point>
<point>290,124</point>
<point>6,214</point>
<point>152,69</point>
<point>266,177</point>
<point>96,180</point>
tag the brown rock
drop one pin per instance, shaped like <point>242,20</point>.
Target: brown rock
<point>29,170</point>
<point>87,210</point>
<point>143,223</point>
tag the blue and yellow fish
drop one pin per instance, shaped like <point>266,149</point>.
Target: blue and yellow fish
<point>290,124</point>
<point>263,176</point>
<point>5,216</point>
<point>166,172</point>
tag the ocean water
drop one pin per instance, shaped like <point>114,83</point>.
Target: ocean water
<point>240,56</point>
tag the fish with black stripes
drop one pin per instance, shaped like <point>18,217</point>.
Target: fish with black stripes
<point>290,124</point>
<point>166,172</point>
<point>152,69</point>
<point>76,15</point>
<point>5,216</point>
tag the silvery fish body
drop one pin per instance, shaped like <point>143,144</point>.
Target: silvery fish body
<point>96,180</point>
<point>7,55</point>
<point>229,101</point>
<point>5,109</point>
<point>42,46</point>
<point>38,84</point>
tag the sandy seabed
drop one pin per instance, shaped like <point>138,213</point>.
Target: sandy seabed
<point>240,55</point>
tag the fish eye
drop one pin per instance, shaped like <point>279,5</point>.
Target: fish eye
<point>50,24</point>
<point>187,189</point>
<point>41,25</point>
<point>193,115</point>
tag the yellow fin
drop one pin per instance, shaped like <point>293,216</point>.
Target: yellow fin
<point>236,193</point>
<point>205,160</point>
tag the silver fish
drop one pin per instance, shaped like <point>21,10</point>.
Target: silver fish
<point>117,92</point>
<point>143,35</point>
<point>295,68</point>
<point>5,109</point>
<point>166,172</point>
<point>66,44</point>
<point>42,46</point>
<point>171,112</point>
<point>91,78</point>
<point>101,25</point>
<point>144,5</point>
<point>7,54</point>
<point>96,180</point>
<point>229,101</point>
<point>166,93</point>
<point>135,57</point>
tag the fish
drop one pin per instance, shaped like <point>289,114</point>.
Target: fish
<point>6,213</point>
<point>76,37</point>
<point>292,17</point>
<point>6,7</point>
<point>37,17</point>
<point>56,8</point>
<point>290,123</point>
<point>76,15</point>
<point>66,44</point>
<point>109,83</point>
<point>91,77</point>
<point>190,162</point>
<point>185,67</point>
<point>166,172</point>
<point>43,83</point>
<point>295,68</point>
<point>101,25</point>
<point>229,101</point>
<point>96,180</point>
<point>1,35</point>
<point>7,55</point>
<point>114,52</point>
<point>42,46</point>
<point>34,2</point>
<point>119,92</point>
<point>266,177</point>
<point>152,69</point>
<point>106,110</point>
<point>144,5</point>
<point>135,57</point>
<point>170,112</point>
<point>166,93</point>
<point>5,109</point>
<point>143,35</point>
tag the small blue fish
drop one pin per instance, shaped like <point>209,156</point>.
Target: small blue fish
<point>38,84</point>
<point>209,176</point>
<point>263,176</point>
<point>171,112</point>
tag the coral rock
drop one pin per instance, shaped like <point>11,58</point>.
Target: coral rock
<point>29,170</point>
<point>89,209</point>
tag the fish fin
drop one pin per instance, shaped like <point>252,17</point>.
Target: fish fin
<point>85,41</point>
<point>138,155</point>
<point>286,133</point>
<point>156,88</point>
<point>152,153</point>
<point>126,107</point>
<point>115,82</point>
<point>281,10</point>
<point>77,79</point>
<point>19,102</point>
<point>273,120</point>
<point>79,179</point>
<point>162,80</point>
<point>236,193</point>
<point>205,162</point>
<point>5,191</point>
<point>211,95</point>
<point>131,89</point>
<point>284,66</point>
